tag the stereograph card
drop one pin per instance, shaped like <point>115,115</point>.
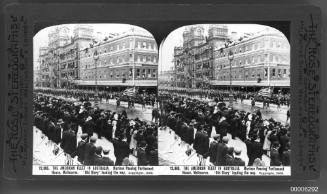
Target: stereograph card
<point>155,91</point>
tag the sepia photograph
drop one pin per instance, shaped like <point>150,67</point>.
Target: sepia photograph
<point>224,96</point>
<point>95,91</point>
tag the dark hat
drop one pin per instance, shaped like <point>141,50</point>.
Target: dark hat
<point>142,144</point>
<point>93,139</point>
<point>98,150</point>
<point>217,136</point>
<point>105,151</point>
<point>230,150</point>
<point>84,136</point>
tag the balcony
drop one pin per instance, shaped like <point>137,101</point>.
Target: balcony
<point>273,83</point>
<point>144,83</point>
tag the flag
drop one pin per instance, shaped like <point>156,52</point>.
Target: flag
<point>266,92</point>
<point>129,92</point>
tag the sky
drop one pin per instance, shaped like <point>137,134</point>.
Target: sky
<point>41,38</point>
<point>175,38</point>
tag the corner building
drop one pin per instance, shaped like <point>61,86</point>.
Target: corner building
<point>261,59</point>
<point>193,62</point>
<point>124,60</point>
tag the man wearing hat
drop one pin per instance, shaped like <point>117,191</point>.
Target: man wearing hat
<point>237,159</point>
<point>68,144</point>
<point>89,126</point>
<point>90,151</point>
<point>274,155</point>
<point>121,149</point>
<point>58,130</point>
<point>286,155</point>
<point>254,149</point>
<point>81,148</point>
<point>222,152</point>
<point>201,144</point>
<point>141,154</point>
<point>213,149</point>
<point>190,133</point>
<point>105,160</point>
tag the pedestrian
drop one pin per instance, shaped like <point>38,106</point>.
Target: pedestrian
<point>81,148</point>
<point>90,149</point>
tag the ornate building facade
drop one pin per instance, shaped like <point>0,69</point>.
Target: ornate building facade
<point>193,61</point>
<point>261,59</point>
<point>128,59</point>
<point>59,62</point>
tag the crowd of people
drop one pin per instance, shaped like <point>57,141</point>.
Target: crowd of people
<point>194,120</point>
<point>144,98</point>
<point>60,120</point>
<point>277,98</point>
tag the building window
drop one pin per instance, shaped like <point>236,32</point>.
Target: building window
<point>149,73</point>
<point>130,72</point>
<point>143,73</point>
<point>138,73</point>
<point>154,73</point>
<point>273,72</point>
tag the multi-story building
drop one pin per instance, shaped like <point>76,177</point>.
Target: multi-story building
<point>193,61</point>
<point>41,72</point>
<point>128,59</point>
<point>261,59</point>
<point>59,62</point>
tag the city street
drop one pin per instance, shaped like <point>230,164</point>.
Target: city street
<point>272,112</point>
<point>137,112</point>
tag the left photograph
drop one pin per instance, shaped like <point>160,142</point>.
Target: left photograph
<point>95,96</point>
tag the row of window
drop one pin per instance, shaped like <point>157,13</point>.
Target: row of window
<point>274,58</point>
<point>86,64</point>
<point>272,43</point>
<point>112,47</point>
<point>70,65</point>
<point>259,73</point>
<point>69,75</point>
<point>119,74</point>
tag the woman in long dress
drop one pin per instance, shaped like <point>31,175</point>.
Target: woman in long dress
<point>133,143</point>
<point>267,143</point>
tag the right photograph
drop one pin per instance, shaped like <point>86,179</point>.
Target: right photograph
<point>224,96</point>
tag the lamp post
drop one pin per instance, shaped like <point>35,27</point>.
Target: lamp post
<point>230,58</point>
<point>96,58</point>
